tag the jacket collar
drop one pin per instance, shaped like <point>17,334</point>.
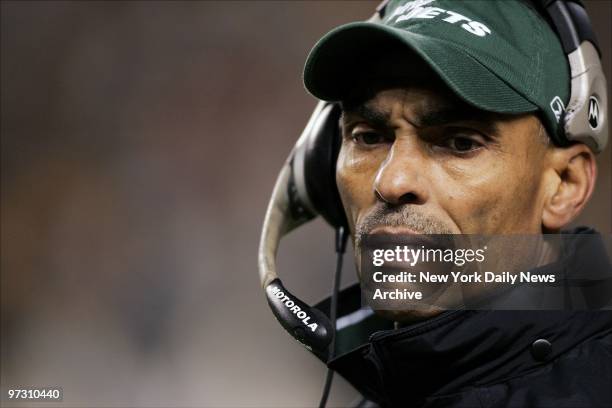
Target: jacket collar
<point>452,350</point>
<point>464,348</point>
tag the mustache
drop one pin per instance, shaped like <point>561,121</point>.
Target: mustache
<point>386,215</point>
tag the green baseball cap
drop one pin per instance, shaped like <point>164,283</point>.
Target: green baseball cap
<point>497,55</point>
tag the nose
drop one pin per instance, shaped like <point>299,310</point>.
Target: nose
<point>401,177</point>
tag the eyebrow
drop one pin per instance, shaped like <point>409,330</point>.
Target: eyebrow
<point>446,115</point>
<point>376,117</point>
<point>438,116</point>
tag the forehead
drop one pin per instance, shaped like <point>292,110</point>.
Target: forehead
<point>403,80</point>
<point>409,97</point>
<point>422,107</point>
<point>423,104</point>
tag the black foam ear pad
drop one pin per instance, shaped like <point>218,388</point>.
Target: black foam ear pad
<point>315,172</point>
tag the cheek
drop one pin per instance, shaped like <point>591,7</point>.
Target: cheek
<point>355,174</point>
<point>501,197</point>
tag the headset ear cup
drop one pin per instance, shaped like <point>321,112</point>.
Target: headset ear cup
<point>321,153</point>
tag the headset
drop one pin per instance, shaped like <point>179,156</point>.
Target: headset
<point>306,185</point>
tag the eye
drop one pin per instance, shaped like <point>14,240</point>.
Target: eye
<point>460,141</point>
<point>462,144</point>
<point>368,138</point>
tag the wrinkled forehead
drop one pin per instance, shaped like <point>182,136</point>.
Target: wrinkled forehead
<point>410,88</point>
<point>423,107</point>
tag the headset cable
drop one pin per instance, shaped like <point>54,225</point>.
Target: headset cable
<point>341,238</point>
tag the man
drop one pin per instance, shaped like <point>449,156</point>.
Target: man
<point>451,125</point>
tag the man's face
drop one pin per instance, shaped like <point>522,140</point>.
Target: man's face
<point>418,160</point>
<point>415,159</point>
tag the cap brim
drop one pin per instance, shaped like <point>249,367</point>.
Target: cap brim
<point>335,62</point>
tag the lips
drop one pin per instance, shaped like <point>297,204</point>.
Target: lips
<point>385,229</point>
<point>403,236</point>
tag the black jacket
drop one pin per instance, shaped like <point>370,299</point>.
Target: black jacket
<point>469,358</point>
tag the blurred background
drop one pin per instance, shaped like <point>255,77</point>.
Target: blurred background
<point>140,143</point>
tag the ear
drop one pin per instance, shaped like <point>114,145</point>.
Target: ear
<point>573,171</point>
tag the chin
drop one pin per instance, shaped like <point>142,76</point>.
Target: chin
<point>409,316</point>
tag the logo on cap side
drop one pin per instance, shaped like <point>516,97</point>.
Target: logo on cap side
<point>593,112</point>
<point>558,107</point>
